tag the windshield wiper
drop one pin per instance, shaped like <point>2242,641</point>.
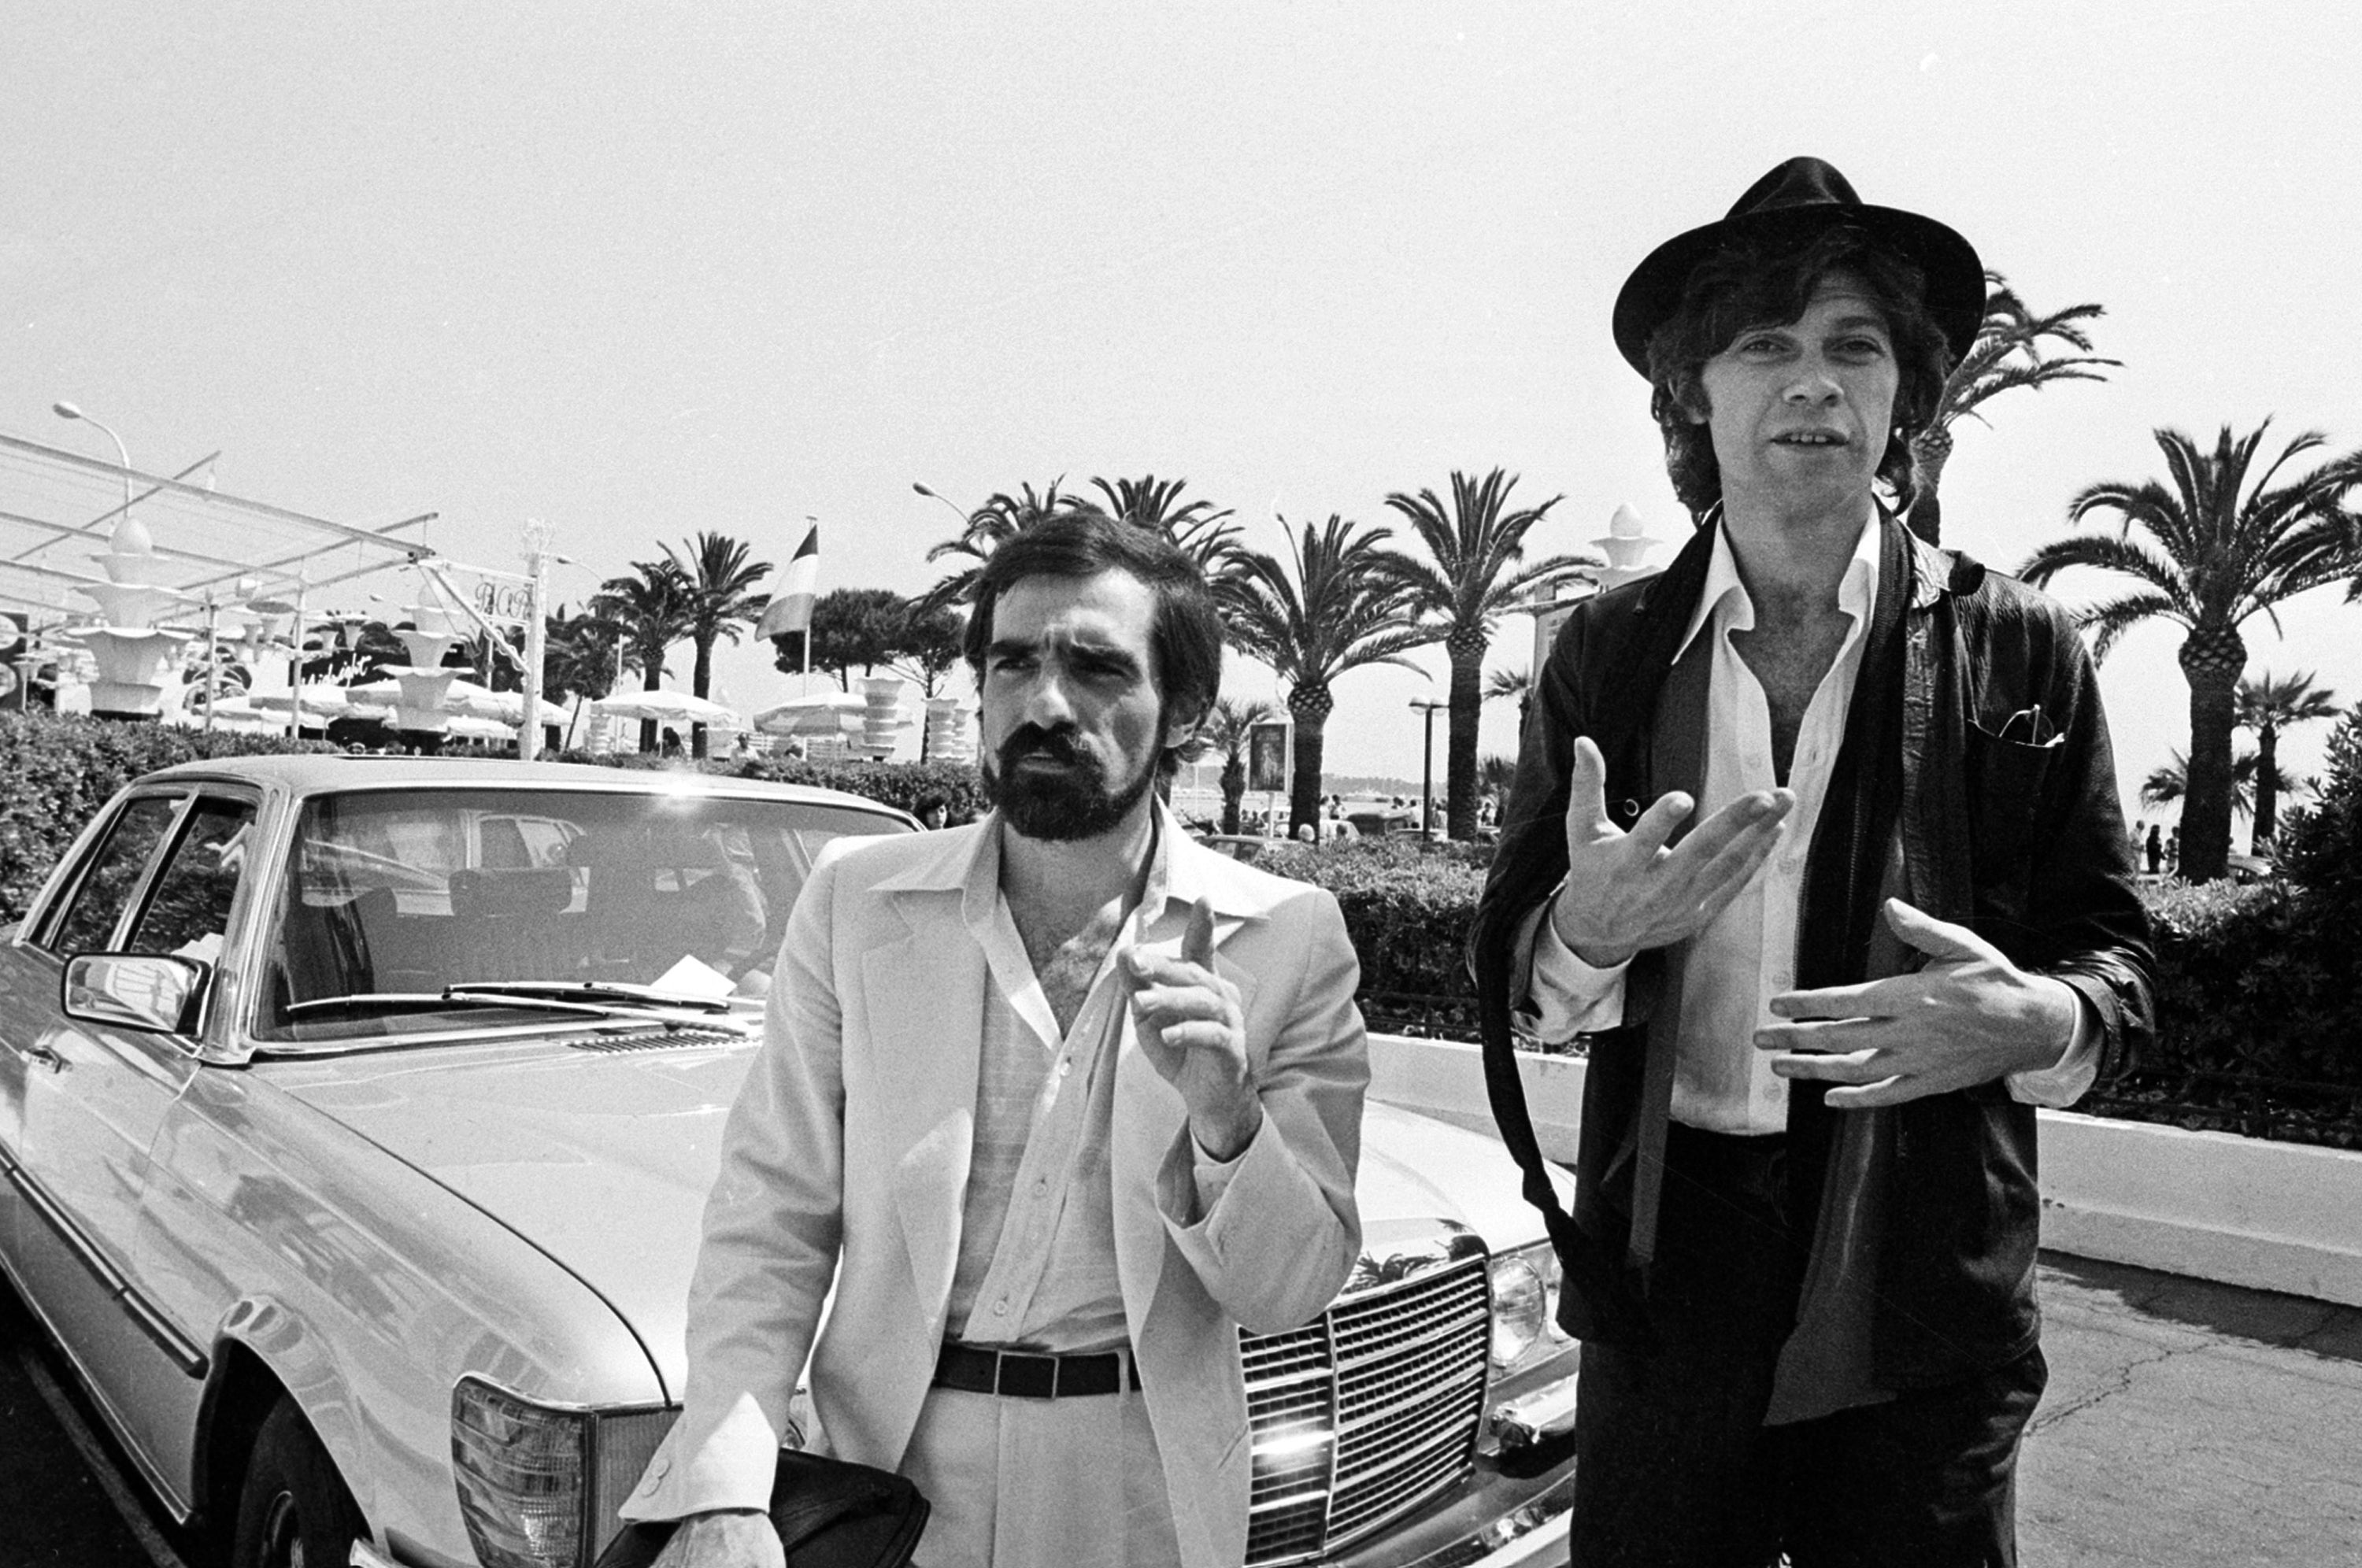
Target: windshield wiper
<point>435,1001</point>
<point>614,993</point>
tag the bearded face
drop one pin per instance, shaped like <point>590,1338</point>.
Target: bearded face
<point>1048,785</point>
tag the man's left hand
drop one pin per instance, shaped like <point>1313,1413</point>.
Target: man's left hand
<point>1192,1027</point>
<point>1969,1016</point>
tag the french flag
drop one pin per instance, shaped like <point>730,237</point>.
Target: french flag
<point>790,612</point>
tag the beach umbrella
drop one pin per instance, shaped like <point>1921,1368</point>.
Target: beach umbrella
<point>668,707</point>
<point>829,713</point>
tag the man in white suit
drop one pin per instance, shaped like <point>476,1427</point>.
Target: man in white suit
<point>1059,1100</point>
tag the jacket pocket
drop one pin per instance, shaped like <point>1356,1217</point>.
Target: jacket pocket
<point>2004,783</point>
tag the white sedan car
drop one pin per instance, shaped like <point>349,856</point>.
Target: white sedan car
<point>357,1114</point>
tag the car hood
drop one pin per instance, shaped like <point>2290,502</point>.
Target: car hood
<point>603,1161</point>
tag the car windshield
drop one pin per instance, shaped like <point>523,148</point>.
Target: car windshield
<point>404,893</point>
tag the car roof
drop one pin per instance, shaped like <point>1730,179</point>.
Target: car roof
<point>312,773</point>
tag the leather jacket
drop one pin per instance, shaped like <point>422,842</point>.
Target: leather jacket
<point>1993,774</point>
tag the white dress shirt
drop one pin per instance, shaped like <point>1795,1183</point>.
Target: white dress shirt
<point>1747,955</point>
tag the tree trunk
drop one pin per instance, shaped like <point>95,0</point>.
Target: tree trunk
<point>1930,450</point>
<point>2211,661</point>
<point>1467,653</point>
<point>701,681</point>
<point>2267,789</point>
<point>1234,790</point>
<point>651,679</point>
<point>1310,705</point>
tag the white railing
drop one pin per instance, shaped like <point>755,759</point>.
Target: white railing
<point>2267,1216</point>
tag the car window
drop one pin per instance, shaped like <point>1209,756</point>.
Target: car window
<point>188,913</point>
<point>96,907</point>
<point>414,891</point>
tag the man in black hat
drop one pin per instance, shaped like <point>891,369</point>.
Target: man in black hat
<point>1820,1019</point>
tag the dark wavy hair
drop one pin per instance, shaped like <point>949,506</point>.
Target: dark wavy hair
<point>1185,640</point>
<point>1770,278</point>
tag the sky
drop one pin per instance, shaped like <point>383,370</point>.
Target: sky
<point>636,271</point>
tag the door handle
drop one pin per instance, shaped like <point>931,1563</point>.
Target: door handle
<point>46,1057</point>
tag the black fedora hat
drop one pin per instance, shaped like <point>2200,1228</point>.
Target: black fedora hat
<point>1795,201</point>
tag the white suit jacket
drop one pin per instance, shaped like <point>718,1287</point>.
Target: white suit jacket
<point>846,1158</point>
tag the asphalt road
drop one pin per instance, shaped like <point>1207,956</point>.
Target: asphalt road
<point>67,1499</point>
<point>2186,1423</point>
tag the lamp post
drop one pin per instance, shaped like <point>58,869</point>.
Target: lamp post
<point>1427,705</point>
<point>932,495</point>
<point>68,411</point>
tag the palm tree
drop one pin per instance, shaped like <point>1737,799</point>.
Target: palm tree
<point>1474,572</point>
<point>1339,603</point>
<point>578,659</point>
<point>2170,783</point>
<point>1002,518</point>
<point>722,602</point>
<point>2210,560</point>
<point>2269,706</point>
<point>1495,774</point>
<point>2008,354</point>
<point>1198,529</point>
<point>1226,730</point>
<point>653,605</point>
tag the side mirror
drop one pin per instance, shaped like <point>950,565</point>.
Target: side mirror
<point>151,992</point>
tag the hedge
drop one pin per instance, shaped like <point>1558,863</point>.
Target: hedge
<point>61,769</point>
<point>2257,980</point>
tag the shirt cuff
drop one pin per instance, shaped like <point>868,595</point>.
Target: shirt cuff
<point>1212,1176</point>
<point>1571,996</point>
<point>2067,1081</point>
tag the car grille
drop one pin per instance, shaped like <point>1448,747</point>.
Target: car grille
<point>1363,1414</point>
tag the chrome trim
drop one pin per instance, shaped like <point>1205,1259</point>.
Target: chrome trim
<point>1325,1397</point>
<point>181,1510</point>
<point>1546,1412</point>
<point>1545,1513</point>
<point>184,1352</point>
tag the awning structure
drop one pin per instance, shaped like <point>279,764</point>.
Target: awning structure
<point>59,510</point>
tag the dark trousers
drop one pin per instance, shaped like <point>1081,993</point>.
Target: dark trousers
<point>1675,1468</point>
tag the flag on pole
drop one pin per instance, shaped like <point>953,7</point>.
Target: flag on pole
<point>791,611</point>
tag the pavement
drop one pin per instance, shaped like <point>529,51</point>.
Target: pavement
<point>2186,1423</point>
<point>2191,1423</point>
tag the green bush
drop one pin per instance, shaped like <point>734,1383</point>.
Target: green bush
<point>61,769</point>
<point>1407,907</point>
<point>2251,980</point>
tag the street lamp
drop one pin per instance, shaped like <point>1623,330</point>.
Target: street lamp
<point>932,495</point>
<point>68,411</point>
<point>1427,705</point>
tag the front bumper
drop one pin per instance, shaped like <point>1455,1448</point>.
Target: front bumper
<point>1491,1520</point>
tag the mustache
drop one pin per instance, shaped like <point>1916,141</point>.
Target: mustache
<point>1031,740</point>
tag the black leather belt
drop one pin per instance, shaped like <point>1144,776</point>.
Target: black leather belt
<point>1023,1374</point>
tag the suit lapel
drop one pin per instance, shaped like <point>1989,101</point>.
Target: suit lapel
<point>925,1045</point>
<point>1677,761</point>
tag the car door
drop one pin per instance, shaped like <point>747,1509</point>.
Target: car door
<point>95,1095</point>
<point>83,917</point>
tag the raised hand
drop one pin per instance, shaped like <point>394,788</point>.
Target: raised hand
<point>1626,891</point>
<point>1193,1029</point>
<point>1969,1016</point>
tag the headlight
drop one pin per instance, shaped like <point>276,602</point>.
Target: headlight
<point>539,1486</point>
<point>1525,1304</point>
